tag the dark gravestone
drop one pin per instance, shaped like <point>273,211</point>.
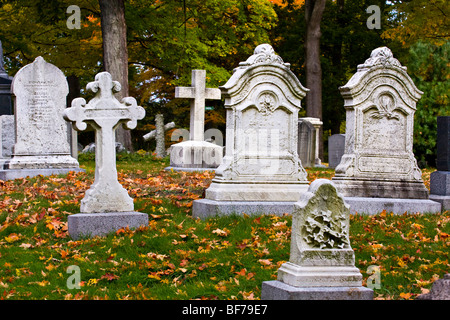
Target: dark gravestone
<point>5,88</point>
<point>443,144</point>
<point>336,148</point>
<point>440,179</point>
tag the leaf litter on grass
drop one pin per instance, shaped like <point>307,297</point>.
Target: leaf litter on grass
<point>178,257</point>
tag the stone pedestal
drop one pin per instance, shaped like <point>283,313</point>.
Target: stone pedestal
<point>379,164</point>
<point>261,167</point>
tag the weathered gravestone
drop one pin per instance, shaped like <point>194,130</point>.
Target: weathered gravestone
<point>7,138</point>
<point>322,262</point>
<point>308,141</point>
<point>196,153</point>
<point>106,206</point>
<point>261,171</point>
<point>41,145</point>
<point>336,148</point>
<point>378,170</point>
<point>440,179</point>
<point>5,88</point>
<point>439,291</point>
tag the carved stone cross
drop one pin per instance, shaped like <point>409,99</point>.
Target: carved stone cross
<point>198,93</point>
<point>105,113</point>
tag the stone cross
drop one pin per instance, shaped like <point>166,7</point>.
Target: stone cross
<point>198,93</point>
<point>105,113</point>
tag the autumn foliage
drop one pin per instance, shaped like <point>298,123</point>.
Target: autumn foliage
<point>178,257</point>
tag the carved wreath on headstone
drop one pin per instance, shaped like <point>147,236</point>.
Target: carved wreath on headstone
<point>322,230</point>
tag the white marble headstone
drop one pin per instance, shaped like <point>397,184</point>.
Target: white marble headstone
<point>40,91</point>
<point>380,102</point>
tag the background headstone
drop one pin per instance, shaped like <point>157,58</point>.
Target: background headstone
<point>322,262</point>
<point>196,153</point>
<point>106,206</point>
<point>7,138</point>
<point>336,147</point>
<point>261,171</point>
<point>308,141</point>
<point>378,170</point>
<point>41,143</point>
<point>5,88</point>
<point>440,179</point>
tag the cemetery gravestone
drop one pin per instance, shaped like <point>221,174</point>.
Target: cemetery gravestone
<point>7,138</point>
<point>5,88</point>
<point>261,171</point>
<point>160,140</point>
<point>196,154</point>
<point>322,262</point>
<point>378,170</point>
<point>440,179</point>
<point>106,206</point>
<point>308,141</point>
<point>336,147</point>
<point>41,146</point>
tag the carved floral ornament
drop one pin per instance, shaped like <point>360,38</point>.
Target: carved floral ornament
<point>263,53</point>
<point>267,103</point>
<point>386,107</point>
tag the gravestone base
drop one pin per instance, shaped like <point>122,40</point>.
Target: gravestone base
<point>88,225</point>
<point>195,156</point>
<point>443,200</point>
<point>277,290</point>
<point>11,174</point>
<point>370,206</point>
<point>373,188</point>
<point>206,208</point>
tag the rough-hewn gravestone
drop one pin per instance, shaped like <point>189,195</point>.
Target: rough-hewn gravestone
<point>336,147</point>
<point>196,153</point>
<point>439,291</point>
<point>5,88</point>
<point>106,206</point>
<point>378,170</point>
<point>308,141</point>
<point>261,171</point>
<point>440,179</point>
<point>322,262</point>
<point>41,145</point>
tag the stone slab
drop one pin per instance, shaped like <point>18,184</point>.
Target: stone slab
<point>443,200</point>
<point>370,206</point>
<point>443,143</point>
<point>277,290</point>
<point>11,174</point>
<point>99,224</point>
<point>440,183</point>
<point>206,208</point>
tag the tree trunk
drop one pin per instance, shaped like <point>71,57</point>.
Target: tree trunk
<point>313,15</point>
<point>115,53</point>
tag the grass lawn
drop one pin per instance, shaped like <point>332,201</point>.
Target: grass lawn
<point>178,257</point>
